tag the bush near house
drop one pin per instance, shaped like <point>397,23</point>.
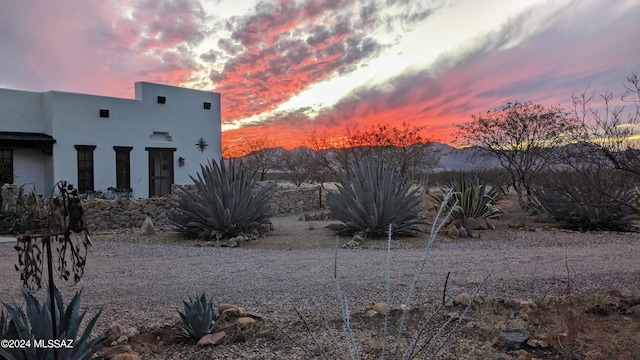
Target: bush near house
<point>226,203</point>
<point>370,197</point>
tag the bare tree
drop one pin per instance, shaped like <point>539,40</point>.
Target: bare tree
<point>405,148</point>
<point>296,165</point>
<point>523,137</point>
<point>260,154</point>
<point>608,134</point>
<point>322,157</point>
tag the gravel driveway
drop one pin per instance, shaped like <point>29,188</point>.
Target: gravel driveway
<point>143,283</point>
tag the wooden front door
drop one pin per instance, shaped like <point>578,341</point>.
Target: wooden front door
<point>160,171</point>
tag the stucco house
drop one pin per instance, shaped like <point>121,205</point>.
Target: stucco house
<point>145,144</point>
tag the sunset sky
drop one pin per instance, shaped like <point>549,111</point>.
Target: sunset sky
<point>285,68</point>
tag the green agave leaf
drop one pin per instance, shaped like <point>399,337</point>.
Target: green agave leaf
<point>227,203</point>
<point>370,197</point>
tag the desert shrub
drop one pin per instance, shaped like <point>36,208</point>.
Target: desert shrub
<point>593,199</point>
<point>226,203</point>
<point>370,197</point>
<point>470,198</point>
<point>197,318</point>
<point>36,324</point>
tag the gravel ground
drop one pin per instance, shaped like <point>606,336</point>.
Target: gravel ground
<point>139,281</point>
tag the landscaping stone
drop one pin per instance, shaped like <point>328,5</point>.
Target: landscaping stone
<point>461,299</point>
<point>463,232</point>
<point>453,232</point>
<point>114,331</point>
<point>213,339</point>
<point>512,339</point>
<point>245,321</point>
<point>147,227</point>
<point>380,308</point>
<point>482,224</point>
<point>131,332</point>
<point>222,307</point>
<point>472,224</point>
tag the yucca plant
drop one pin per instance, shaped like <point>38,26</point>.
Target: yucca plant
<point>226,203</point>
<point>370,197</point>
<point>470,199</point>
<point>35,324</point>
<point>197,318</point>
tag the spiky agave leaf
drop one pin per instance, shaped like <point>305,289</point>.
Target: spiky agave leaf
<point>371,198</point>
<point>36,323</point>
<point>472,199</point>
<point>225,204</point>
<point>197,318</point>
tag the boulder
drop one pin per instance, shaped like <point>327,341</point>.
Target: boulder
<point>463,232</point>
<point>222,307</point>
<point>461,299</point>
<point>512,339</point>
<point>114,331</point>
<point>245,322</point>
<point>147,227</point>
<point>472,224</point>
<point>380,308</point>
<point>482,224</point>
<point>213,339</point>
<point>131,332</point>
<point>453,232</point>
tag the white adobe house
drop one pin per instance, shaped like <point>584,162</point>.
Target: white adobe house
<point>100,143</point>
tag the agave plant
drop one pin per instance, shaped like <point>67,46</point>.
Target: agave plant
<point>197,318</point>
<point>36,324</point>
<point>470,199</point>
<point>370,197</point>
<point>226,203</point>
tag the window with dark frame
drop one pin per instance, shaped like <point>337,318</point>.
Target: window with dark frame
<point>6,166</point>
<point>123,167</point>
<point>85,167</point>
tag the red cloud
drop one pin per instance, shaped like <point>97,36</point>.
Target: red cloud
<point>546,67</point>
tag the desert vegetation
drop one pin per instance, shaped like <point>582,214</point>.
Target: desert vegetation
<point>371,198</point>
<point>226,203</point>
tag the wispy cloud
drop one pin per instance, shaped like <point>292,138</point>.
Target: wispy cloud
<point>543,55</point>
<point>81,47</point>
<point>263,60</point>
<point>282,48</point>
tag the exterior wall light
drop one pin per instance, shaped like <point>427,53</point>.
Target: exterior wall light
<point>180,161</point>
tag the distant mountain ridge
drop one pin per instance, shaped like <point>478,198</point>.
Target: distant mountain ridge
<point>451,158</point>
<point>454,159</point>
